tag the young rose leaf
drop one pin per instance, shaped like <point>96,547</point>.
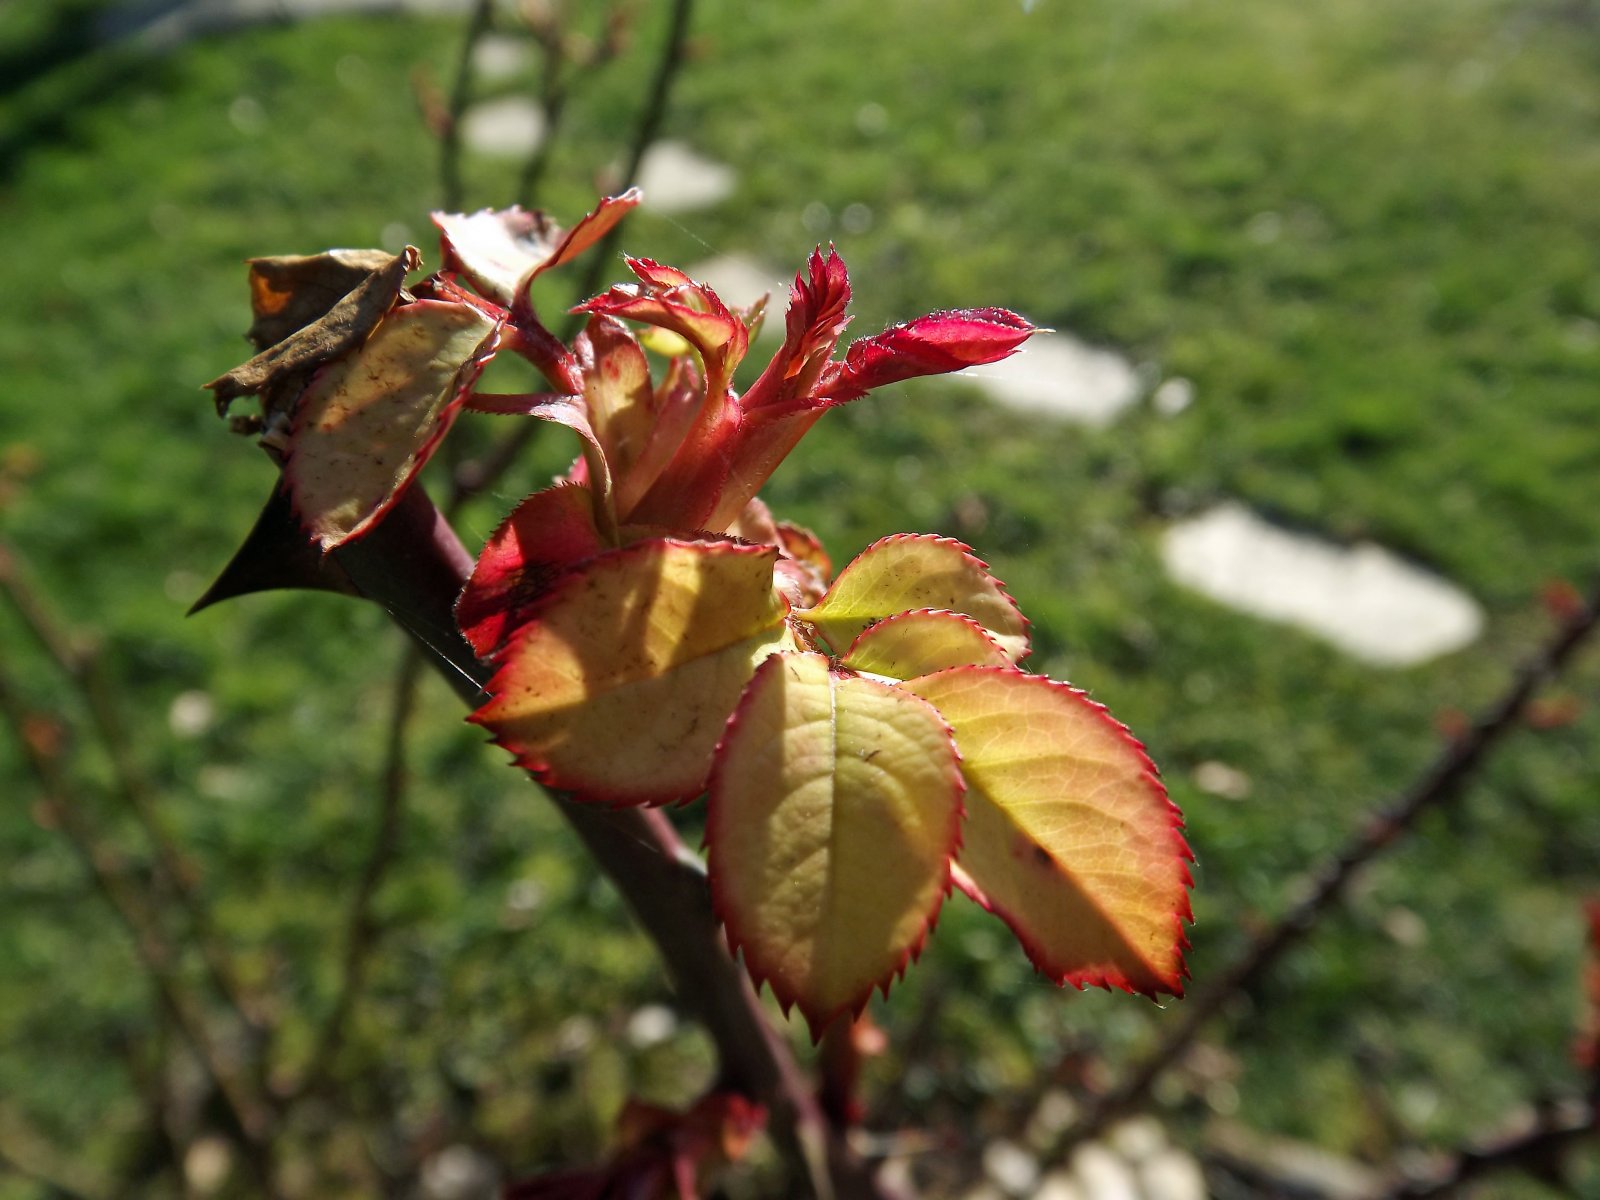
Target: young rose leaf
<point>367,423</point>
<point>1070,837</point>
<point>914,570</point>
<point>932,345</point>
<point>670,300</point>
<point>498,250</point>
<point>835,806</point>
<point>621,400</point>
<point>619,685</point>
<point>546,535</point>
<point>921,642</point>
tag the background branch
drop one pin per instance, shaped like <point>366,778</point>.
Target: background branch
<point>478,476</point>
<point>1540,1148</point>
<point>78,659</point>
<point>252,1117</point>
<point>362,928</point>
<point>1441,783</point>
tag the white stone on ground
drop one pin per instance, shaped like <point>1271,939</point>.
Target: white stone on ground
<point>741,281</point>
<point>1060,1185</point>
<point>1010,1167</point>
<point>510,127</point>
<point>1365,600</point>
<point>1173,396</point>
<point>1055,374</point>
<point>1170,1174</point>
<point>676,178</point>
<point>1103,1174</point>
<point>497,57</point>
<point>651,1025</point>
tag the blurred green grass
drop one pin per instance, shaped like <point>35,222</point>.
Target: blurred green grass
<point>1364,231</point>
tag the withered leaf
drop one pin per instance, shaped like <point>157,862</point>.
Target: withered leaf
<point>290,291</point>
<point>335,333</point>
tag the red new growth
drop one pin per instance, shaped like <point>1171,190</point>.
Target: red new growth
<point>868,740</point>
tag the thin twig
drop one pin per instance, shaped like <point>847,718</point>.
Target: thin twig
<point>80,661</point>
<point>250,1113</point>
<point>451,190</point>
<point>26,1152</point>
<point>553,103</point>
<point>478,477</point>
<point>1558,1128</point>
<point>361,924</point>
<point>1441,783</point>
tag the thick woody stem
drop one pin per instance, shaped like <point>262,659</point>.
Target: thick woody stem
<point>413,565</point>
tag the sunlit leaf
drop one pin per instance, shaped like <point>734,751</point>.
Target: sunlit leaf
<point>620,683</point>
<point>545,536</point>
<point>921,642</point>
<point>498,249</point>
<point>910,571</point>
<point>932,345</point>
<point>368,422</point>
<point>1070,837</point>
<point>834,809</point>
<point>667,298</point>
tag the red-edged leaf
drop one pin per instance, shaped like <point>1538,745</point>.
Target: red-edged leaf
<point>620,682</point>
<point>499,250</point>
<point>368,423</point>
<point>622,405</point>
<point>1070,837</point>
<point>573,412</point>
<point>921,642</point>
<point>931,345</point>
<point>669,299</point>
<point>917,570</point>
<point>835,806</point>
<point>545,536</point>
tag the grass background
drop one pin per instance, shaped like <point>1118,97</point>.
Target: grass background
<point>1365,231</point>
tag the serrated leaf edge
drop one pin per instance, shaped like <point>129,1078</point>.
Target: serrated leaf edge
<point>549,776</point>
<point>817,1023</point>
<point>1184,914</point>
<point>941,539</point>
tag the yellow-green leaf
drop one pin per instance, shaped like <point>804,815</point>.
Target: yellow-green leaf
<point>368,422</point>
<point>835,806</point>
<point>1070,837</point>
<point>919,643</point>
<point>620,683</point>
<point>911,571</point>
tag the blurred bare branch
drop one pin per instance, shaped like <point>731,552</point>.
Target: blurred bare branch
<point>1444,781</point>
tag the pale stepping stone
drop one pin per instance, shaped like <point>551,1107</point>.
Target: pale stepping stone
<point>739,282</point>
<point>1057,375</point>
<point>497,58</point>
<point>1365,600</point>
<point>676,178</point>
<point>510,127</point>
